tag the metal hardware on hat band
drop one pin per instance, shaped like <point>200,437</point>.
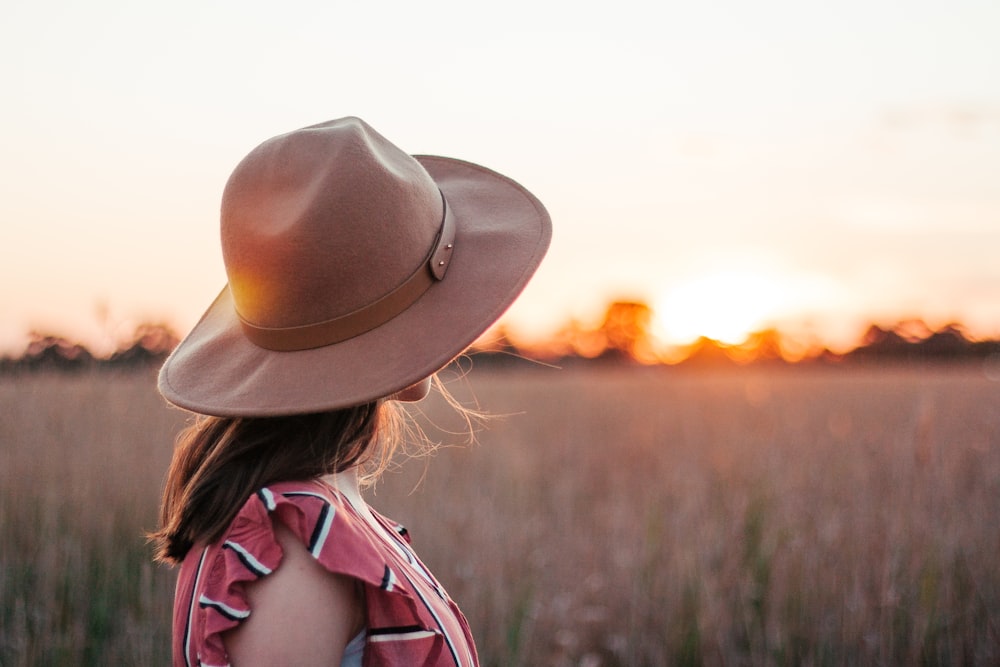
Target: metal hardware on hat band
<point>320,334</point>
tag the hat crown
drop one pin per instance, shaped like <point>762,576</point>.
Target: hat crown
<point>323,221</point>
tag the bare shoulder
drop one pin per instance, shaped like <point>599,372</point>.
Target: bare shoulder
<point>301,614</point>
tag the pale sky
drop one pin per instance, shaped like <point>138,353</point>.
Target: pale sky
<point>737,165</point>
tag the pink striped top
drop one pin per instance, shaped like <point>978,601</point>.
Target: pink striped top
<point>410,620</point>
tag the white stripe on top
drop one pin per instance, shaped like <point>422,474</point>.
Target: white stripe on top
<point>437,619</point>
<point>401,636</point>
<point>268,499</point>
<point>324,531</point>
<point>191,609</point>
<point>255,565</point>
<point>225,608</point>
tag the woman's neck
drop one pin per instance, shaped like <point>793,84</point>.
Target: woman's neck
<point>348,484</point>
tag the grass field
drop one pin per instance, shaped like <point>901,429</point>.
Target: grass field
<point>612,517</point>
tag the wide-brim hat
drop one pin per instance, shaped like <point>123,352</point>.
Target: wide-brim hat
<point>355,270</point>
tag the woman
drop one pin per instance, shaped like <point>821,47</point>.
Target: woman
<point>355,272</point>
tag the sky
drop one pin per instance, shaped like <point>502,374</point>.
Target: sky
<point>809,165</point>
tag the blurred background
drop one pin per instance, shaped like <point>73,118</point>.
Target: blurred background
<point>733,185</point>
<point>815,167</point>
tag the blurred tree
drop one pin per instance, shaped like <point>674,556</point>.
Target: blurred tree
<point>626,332</point>
<point>151,343</point>
<point>50,352</point>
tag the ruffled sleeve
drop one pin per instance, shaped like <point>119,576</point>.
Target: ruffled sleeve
<point>318,517</point>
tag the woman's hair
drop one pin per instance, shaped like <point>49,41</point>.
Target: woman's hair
<point>220,461</point>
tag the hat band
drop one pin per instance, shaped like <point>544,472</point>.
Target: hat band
<point>321,334</point>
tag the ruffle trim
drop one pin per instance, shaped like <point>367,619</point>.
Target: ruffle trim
<point>321,519</point>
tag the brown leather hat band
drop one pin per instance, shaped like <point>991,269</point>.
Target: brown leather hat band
<point>347,326</point>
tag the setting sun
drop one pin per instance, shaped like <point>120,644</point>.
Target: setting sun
<point>725,306</point>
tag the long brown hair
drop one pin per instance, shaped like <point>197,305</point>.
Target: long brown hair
<point>220,461</point>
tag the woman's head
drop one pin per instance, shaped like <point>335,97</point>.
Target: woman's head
<point>355,270</point>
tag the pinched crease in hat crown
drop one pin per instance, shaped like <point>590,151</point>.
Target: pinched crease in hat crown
<point>323,222</point>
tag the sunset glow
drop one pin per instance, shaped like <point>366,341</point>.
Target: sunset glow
<point>724,306</point>
<point>732,165</point>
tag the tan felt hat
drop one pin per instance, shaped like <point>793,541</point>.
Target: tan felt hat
<point>355,270</point>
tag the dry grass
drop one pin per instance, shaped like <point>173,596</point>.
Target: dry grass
<point>81,463</point>
<point>625,518</point>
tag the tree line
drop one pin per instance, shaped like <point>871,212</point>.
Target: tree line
<point>623,336</point>
<point>147,347</point>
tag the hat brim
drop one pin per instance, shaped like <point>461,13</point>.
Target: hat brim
<point>502,233</point>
